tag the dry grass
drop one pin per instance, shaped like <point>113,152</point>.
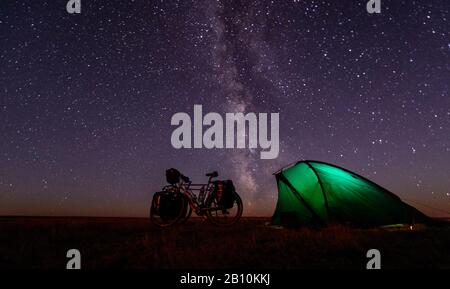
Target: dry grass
<point>136,244</point>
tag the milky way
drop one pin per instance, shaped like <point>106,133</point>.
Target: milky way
<point>86,100</point>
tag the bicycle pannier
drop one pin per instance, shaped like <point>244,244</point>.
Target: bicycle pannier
<point>167,205</point>
<point>224,193</point>
<point>173,176</point>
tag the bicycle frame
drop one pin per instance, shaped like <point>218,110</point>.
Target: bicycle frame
<point>197,201</point>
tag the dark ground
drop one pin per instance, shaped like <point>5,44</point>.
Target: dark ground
<point>30,242</point>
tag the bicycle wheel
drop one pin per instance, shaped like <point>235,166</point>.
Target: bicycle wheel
<point>187,212</point>
<point>221,216</point>
<point>170,214</point>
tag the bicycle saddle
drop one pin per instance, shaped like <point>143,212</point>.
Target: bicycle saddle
<point>213,174</point>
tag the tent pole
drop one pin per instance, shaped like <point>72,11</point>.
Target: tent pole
<point>282,178</point>
<point>321,187</point>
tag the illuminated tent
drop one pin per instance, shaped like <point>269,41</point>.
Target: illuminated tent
<point>317,193</point>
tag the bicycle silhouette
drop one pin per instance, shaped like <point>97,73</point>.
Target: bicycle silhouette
<point>216,200</point>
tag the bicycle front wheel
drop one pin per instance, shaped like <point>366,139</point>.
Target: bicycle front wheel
<point>164,216</point>
<point>187,212</point>
<point>224,216</point>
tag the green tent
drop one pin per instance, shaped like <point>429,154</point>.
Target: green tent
<point>318,193</point>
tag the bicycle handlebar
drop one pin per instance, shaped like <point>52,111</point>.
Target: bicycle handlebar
<point>185,179</point>
<point>212,175</point>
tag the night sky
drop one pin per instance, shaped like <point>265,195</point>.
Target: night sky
<point>86,100</point>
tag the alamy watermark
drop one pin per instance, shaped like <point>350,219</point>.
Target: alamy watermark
<point>234,135</point>
<point>74,6</point>
<point>74,256</point>
<point>373,6</point>
<point>374,256</point>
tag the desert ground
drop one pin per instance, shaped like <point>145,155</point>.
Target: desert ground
<point>134,243</point>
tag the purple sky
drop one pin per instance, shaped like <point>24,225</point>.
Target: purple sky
<point>86,100</point>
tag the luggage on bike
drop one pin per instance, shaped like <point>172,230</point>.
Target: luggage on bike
<point>224,193</point>
<point>167,205</point>
<point>173,176</point>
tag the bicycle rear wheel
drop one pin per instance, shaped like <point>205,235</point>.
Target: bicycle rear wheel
<point>224,217</point>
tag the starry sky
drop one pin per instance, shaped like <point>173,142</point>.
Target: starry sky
<point>86,99</point>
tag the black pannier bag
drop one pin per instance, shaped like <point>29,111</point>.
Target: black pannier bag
<point>167,205</point>
<point>224,193</point>
<point>173,176</point>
